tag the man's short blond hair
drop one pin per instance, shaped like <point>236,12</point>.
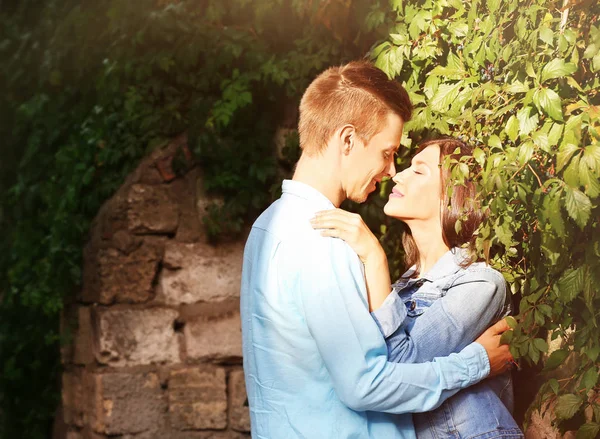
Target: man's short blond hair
<point>357,93</point>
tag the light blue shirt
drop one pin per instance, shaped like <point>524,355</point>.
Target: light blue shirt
<point>315,361</point>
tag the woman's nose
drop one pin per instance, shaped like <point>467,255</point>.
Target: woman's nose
<point>399,177</point>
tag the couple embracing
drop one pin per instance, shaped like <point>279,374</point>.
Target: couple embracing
<point>333,349</point>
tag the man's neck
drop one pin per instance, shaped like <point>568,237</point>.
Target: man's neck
<point>429,241</point>
<point>322,173</point>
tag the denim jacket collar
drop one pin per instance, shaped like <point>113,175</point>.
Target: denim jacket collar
<point>447,265</point>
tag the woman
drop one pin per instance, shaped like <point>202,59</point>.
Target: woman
<point>444,300</point>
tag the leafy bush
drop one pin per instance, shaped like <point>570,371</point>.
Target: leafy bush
<point>520,82</point>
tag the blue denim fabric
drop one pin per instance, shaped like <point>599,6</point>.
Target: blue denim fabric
<point>315,362</point>
<point>440,313</point>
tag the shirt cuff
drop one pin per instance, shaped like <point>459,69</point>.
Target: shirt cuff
<point>477,361</point>
<point>390,315</point>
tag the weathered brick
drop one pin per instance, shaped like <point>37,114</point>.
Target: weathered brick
<point>190,227</point>
<point>112,275</point>
<point>83,342</point>
<point>214,339</point>
<point>198,399</point>
<point>200,272</point>
<point>129,337</point>
<point>127,403</point>
<point>151,209</point>
<point>239,414</point>
<point>74,398</point>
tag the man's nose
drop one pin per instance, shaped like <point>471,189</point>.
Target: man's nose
<point>391,169</point>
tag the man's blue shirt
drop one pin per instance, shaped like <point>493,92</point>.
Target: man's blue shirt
<point>315,361</point>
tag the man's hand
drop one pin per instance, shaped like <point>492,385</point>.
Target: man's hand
<point>499,355</point>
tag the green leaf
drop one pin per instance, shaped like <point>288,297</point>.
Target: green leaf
<point>527,123</point>
<point>570,284</point>
<point>512,128</point>
<point>549,102</point>
<point>391,61</point>
<point>555,359</point>
<point>511,321</point>
<point>590,378</point>
<point>596,63</point>
<point>444,96</point>
<point>590,51</point>
<point>529,70</point>
<point>557,68</point>
<point>547,35</point>
<point>593,353</point>
<point>541,140</point>
<point>571,174</point>
<point>526,150</point>
<point>534,353</point>
<point>380,48</point>
<point>589,179</point>
<point>591,156</point>
<point>494,141</point>
<point>554,134</point>
<point>396,5</point>
<point>553,383</point>
<point>588,431</point>
<point>567,406</point>
<point>541,344</point>
<point>578,206</point>
<point>564,155</point>
<point>506,337</point>
<point>517,87</point>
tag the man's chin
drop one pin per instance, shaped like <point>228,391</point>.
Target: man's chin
<point>359,198</point>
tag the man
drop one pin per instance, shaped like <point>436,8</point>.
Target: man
<point>314,360</point>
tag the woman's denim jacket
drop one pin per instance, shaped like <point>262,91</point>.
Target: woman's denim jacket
<point>441,313</point>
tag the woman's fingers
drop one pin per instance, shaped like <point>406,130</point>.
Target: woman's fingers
<point>328,223</point>
<point>339,216</point>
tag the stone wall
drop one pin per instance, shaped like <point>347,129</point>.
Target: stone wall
<point>156,345</point>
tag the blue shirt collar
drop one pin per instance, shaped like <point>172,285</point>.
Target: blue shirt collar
<point>309,193</point>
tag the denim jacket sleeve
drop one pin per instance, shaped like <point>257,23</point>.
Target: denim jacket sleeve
<point>471,304</point>
<point>331,294</point>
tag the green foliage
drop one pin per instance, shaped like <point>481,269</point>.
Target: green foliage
<point>520,82</point>
<point>86,90</point>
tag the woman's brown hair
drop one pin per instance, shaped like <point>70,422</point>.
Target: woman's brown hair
<point>459,204</point>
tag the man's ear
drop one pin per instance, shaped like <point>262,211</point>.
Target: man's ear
<point>347,136</point>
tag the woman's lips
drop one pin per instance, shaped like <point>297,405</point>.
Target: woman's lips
<point>396,194</point>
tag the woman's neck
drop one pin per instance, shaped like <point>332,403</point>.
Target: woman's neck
<point>430,243</point>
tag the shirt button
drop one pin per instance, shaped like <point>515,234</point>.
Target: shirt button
<point>413,305</point>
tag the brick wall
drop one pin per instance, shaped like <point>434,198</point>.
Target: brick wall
<point>155,348</point>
